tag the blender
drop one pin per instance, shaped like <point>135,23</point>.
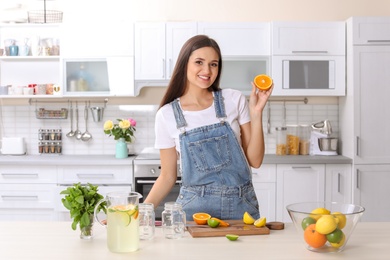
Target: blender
<point>320,141</point>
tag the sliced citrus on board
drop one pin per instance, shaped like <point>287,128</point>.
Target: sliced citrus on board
<point>260,222</point>
<point>201,218</point>
<point>248,219</point>
<point>221,222</point>
<point>232,237</point>
<point>263,82</point>
<point>213,223</point>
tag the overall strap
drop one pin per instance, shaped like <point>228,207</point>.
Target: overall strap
<point>219,105</point>
<point>180,120</point>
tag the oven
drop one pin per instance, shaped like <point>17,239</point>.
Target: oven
<point>146,170</point>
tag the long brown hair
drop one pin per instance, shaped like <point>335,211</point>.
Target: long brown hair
<point>177,85</point>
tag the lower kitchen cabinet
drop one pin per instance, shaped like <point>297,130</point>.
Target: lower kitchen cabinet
<point>264,183</point>
<point>298,183</point>
<point>371,190</point>
<point>338,183</point>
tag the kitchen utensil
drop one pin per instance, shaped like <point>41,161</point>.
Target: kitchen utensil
<point>86,136</point>
<point>327,144</point>
<point>122,221</point>
<point>71,133</point>
<point>320,130</point>
<point>77,132</point>
<point>236,227</point>
<point>97,113</point>
<point>323,127</point>
<point>348,216</point>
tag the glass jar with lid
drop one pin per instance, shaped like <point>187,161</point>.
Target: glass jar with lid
<point>173,220</point>
<point>281,138</point>
<point>292,140</point>
<point>146,221</point>
<point>304,139</point>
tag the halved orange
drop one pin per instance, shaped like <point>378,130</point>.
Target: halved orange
<point>201,218</point>
<point>263,82</point>
<point>221,222</point>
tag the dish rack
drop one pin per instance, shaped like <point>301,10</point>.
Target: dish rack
<point>42,113</point>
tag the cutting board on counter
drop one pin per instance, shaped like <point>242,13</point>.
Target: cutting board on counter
<point>236,227</point>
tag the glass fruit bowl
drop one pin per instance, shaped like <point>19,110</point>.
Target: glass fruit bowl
<point>325,226</point>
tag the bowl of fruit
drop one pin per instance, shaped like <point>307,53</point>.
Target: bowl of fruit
<point>325,226</point>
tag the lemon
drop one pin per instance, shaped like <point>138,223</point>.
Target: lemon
<point>326,224</point>
<point>232,237</point>
<point>212,223</point>
<point>342,219</point>
<point>248,219</point>
<point>339,244</point>
<point>260,222</point>
<point>316,213</point>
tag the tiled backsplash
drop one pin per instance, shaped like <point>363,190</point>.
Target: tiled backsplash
<point>21,121</point>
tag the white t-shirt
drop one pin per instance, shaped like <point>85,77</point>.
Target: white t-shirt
<point>167,135</point>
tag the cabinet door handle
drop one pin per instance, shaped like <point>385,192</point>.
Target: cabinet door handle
<point>378,41</point>
<point>20,175</point>
<point>95,176</point>
<point>21,197</point>
<point>357,146</point>
<point>357,179</point>
<point>309,52</point>
<point>338,182</point>
<point>301,167</point>
<point>164,68</point>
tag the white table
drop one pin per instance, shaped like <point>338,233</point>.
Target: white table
<point>56,240</point>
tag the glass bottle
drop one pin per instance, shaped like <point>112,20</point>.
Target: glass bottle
<point>173,220</point>
<point>146,221</point>
<point>281,135</point>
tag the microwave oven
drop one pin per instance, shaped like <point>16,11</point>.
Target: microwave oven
<point>309,75</point>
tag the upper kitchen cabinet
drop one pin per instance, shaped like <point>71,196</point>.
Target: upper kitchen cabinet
<point>239,39</point>
<point>97,39</point>
<point>363,32</point>
<point>37,58</point>
<point>308,58</point>
<point>308,38</point>
<point>364,112</point>
<point>157,46</point>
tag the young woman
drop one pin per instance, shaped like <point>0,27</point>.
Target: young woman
<point>216,135</point>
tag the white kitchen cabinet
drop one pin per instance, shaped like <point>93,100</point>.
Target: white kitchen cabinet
<point>338,183</point>
<point>157,46</point>
<point>239,39</point>
<point>27,192</point>
<point>264,183</point>
<point>308,38</point>
<point>298,183</point>
<point>370,30</point>
<point>364,118</point>
<point>371,191</point>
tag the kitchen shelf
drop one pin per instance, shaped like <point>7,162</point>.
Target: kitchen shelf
<point>42,113</point>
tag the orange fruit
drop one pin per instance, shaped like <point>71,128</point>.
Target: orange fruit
<point>313,238</point>
<point>201,218</point>
<point>263,82</point>
<point>221,222</point>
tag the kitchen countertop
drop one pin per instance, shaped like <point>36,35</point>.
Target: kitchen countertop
<point>56,240</point>
<point>111,160</point>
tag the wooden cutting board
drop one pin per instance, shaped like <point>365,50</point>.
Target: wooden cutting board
<point>237,227</point>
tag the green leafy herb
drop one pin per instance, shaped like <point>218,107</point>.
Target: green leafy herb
<point>81,200</point>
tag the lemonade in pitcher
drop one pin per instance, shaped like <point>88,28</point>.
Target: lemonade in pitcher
<point>123,228</point>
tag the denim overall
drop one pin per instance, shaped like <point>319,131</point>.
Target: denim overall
<point>216,177</point>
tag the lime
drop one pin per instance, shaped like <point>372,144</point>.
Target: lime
<point>260,222</point>
<point>232,237</point>
<point>212,223</point>
<point>248,219</point>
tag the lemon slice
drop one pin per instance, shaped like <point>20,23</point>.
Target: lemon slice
<point>260,222</point>
<point>232,237</point>
<point>248,219</point>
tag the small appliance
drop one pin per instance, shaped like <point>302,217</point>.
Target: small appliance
<point>320,141</point>
<point>13,146</point>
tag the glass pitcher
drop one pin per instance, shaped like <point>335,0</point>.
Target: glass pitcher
<point>122,221</point>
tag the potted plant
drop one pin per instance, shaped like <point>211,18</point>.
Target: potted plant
<point>81,200</point>
<point>123,132</point>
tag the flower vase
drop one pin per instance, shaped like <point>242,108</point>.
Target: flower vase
<point>87,232</point>
<point>121,149</point>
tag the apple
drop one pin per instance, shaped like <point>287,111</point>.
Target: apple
<point>336,236</point>
<point>307,221</point>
